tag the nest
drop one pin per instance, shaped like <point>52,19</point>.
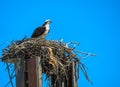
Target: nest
<point>54,55</point>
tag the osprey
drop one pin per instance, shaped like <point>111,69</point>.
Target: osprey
<point>42,31</point>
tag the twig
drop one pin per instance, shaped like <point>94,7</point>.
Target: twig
<point>9,75</point>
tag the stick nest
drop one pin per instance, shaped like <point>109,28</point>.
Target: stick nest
<point>54,55</point>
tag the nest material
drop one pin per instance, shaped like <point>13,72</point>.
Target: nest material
<point>54,55</point>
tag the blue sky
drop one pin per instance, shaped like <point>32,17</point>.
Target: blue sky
<point>93,23</point>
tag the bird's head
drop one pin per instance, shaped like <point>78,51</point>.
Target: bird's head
<point>48,21</point>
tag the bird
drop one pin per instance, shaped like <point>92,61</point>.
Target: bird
<point>42,31</point>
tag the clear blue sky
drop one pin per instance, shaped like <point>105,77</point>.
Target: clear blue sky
<point>93,23</point>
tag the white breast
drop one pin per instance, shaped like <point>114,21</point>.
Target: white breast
<point>47,29</point>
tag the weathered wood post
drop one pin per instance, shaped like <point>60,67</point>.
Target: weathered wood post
<point>39,71</point>
<point>28,72</point>
<point>74,79</point>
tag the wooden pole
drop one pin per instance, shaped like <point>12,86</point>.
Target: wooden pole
<point>74,82</point>
<point>20,73</point>
<point>39,72</point>
<point>63,85</point>
<point>31,72</point>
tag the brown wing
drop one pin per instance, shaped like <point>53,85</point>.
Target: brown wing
<point>38,32</point>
